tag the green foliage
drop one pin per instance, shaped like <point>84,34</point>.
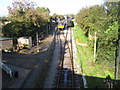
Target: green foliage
<point>93,19</point>
<point>57,16</point>
<point>105,22</point>
<point>96,19</point>
<point>85,58</point>
<point>112,9</point>
<point>80,35</point>
<point>94,72</point>
<point>107,43</point>
<point>18,29</point>
<point>8,30</point>
<point>26,20</point>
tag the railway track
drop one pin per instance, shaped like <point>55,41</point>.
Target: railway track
<point>67,76</point>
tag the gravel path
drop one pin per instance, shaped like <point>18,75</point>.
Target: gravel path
<point>53,65</point>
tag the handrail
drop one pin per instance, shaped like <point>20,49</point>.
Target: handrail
<point>6,68</point>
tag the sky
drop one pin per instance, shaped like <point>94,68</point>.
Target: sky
<point>55,6</point>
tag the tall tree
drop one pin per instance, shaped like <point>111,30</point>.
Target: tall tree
<point>104,22</point>
<point>28,17</point>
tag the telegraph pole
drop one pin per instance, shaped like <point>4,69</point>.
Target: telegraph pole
<point>117,62</point>
<point>37,41</point>
<point>95,48</point>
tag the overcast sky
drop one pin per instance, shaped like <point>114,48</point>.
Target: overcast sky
<point>55,6</point>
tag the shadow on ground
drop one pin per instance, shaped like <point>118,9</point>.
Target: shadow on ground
<point>94,82</point>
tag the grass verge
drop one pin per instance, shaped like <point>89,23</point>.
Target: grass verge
<point>95,72</point>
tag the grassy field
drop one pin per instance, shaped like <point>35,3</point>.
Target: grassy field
<point>95,72</point>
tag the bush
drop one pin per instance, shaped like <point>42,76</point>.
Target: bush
<point>97,19</point>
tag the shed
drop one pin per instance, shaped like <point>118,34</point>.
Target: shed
<point>6,43</point>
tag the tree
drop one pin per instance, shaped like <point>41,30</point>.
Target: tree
<point>96,19</point>
<point>93,19</point>
<point>26,19</point>
<point>112,9</point>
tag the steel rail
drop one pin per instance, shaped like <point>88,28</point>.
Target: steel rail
<point>62,58</point>
<point>71,56</point>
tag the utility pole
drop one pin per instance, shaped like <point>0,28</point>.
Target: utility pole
<point>117,59</point>
<point>117,62</point>
<point>95,47</point>
<point>37,41</point>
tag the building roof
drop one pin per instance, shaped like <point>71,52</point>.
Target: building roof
<point>1,39</point>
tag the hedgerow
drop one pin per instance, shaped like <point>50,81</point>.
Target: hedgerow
<point>103,21</point>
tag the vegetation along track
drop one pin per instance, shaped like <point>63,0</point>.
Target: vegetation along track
<point>66,77</point>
